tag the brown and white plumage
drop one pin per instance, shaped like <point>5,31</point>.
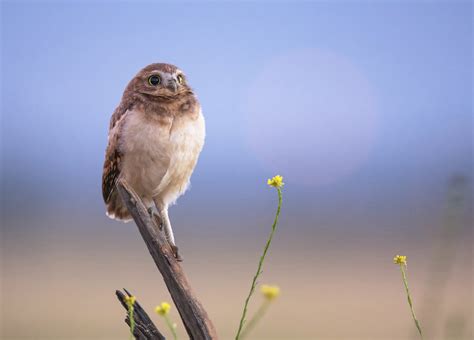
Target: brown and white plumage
<point>155,137</point>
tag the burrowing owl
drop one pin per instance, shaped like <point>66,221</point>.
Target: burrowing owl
<point>155,137</point>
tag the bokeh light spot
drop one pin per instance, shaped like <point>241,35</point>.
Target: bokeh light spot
<point>311,116</point>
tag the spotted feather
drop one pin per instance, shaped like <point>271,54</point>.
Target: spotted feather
<point>112,167</point>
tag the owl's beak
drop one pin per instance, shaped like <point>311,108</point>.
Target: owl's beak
<point>172,85</point>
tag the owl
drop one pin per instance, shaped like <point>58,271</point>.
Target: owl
<point>155,137</point>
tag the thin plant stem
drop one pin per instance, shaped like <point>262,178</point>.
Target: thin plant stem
<point>171,326</point>
<point>256,318</point>
<point>405,282</point>
<point>132,321</point>
<point>260,264</point>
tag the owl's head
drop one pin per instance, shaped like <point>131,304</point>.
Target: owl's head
<point>160,81</point>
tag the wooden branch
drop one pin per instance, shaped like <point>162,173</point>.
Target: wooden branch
<point>145,329</point>
<point>194,317</point>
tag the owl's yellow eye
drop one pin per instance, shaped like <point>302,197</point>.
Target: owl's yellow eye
<point>180,79</point>
<point>154,80</point>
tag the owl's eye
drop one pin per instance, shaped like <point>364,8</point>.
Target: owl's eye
<point>180,79</point>
<point>154,80</point>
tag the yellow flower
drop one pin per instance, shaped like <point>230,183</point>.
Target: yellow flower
<point>163,309</point>
<point>270,292</point>
<point>130,300</point>
<point>276,181</point>
<point>400,259</point>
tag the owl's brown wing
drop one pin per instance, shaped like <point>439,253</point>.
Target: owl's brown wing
<point>113,156</point>
<point>119,112</point>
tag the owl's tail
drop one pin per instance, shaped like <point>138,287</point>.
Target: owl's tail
<point>116,209</point>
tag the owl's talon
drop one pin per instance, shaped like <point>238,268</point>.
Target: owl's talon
<point>155,215</point>
<point>177,256</point>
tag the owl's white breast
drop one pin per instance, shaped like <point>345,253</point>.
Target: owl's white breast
<point>159,157</point>
<point>186,140</point>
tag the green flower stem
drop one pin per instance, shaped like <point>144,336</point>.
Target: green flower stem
<point>256,318</point>
<point>260,264</point>
<point>132,321</point>
<point>405,282</point>
<point>170,326</point>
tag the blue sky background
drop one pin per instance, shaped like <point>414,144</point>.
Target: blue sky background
<point>64,67</point>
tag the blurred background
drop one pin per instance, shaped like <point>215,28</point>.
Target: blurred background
<point>365,108</point>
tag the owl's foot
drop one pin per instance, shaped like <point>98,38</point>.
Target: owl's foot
<point>174,249</point>
<point>155,215</point>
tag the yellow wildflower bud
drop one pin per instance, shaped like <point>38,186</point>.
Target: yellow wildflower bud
<point>130,300</point>
<point>276,182</point>
<point>270,292</point>
<point>400,259</point>
<point>163,309</point>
